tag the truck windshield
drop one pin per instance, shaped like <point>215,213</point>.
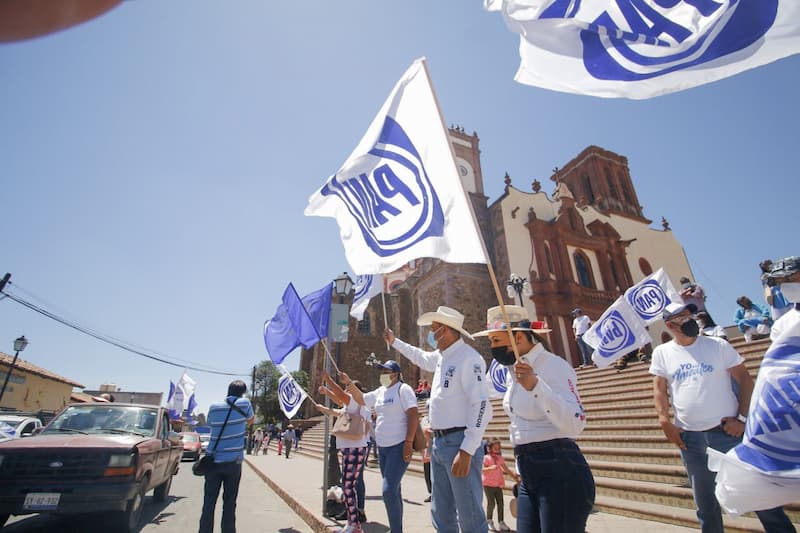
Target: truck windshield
<point>105,419</point>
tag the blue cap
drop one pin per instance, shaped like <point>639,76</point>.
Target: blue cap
<point>390,365</point>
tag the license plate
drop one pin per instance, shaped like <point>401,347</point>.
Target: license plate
<point>41,501</point>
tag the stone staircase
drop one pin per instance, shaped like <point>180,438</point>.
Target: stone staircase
<point>637,472</point>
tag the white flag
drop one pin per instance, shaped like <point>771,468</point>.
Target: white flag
<point>186,384</point>
<point>645,48</point>
<point>497,375</point>
<point>618,331</point>
<point>290,395</point>
<point>650,296</point>
<point>365,288</point>
<point>398,196</point>
<point>764,470</point>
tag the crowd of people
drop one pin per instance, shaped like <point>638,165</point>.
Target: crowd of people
<point>702,394</point>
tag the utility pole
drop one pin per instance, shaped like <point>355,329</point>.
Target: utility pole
<point>253,401</point>
<point>4,281</point>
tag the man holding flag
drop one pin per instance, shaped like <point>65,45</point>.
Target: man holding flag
<point>695,373</point>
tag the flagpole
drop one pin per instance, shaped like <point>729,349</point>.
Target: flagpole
<point>385,316</point>
<point>325,345</point>
<point>474,220</point>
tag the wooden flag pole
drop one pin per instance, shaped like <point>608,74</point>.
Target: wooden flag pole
<point>474,221</point>
<point>333,362</point>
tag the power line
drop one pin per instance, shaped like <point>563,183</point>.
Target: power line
<point>129,347</point>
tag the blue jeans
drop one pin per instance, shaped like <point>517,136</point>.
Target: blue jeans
<point>709,513</point>
<point>225,475</point>
<point>557,490</point>
<point>456,497</point>
<point>393,467</point>
<point>586,350</point>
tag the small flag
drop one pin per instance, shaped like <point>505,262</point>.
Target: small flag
<point>645,48</point>
<point>290,395</point>
<point>764,470</point>
<point>399,196</point>
<point>289,328</point>
<point>175,401</point>
<point>186,384</point>
<point>497,376</point>
<point>650,296</point>
<point>365,287</point>
<point>618,331</point>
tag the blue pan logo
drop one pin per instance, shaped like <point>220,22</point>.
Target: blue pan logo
<point>615,334</point>
<point>648,300</point>
<point>362,286</point>
<point>389,194</point>
<point>498,374</point>
<point>289,394</point>
<point>653,44</point>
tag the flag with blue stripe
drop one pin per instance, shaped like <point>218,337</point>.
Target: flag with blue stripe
<point>365,288</point>
<point>497,376</point>
<point>290,395</point>
<point>618,331</point>
<point>645,48</point>
<point>290,327</point>
<point>764,470</point>
<point>649,297</point>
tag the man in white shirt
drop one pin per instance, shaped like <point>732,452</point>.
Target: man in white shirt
<point>459,413</point>
<point>580,325</point>
<point>694,373</point>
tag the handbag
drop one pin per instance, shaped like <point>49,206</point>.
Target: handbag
<point>206,463</point>
<point>350,426</point>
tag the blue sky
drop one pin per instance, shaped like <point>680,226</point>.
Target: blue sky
<point>155,163</point>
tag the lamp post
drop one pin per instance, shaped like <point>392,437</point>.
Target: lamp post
<point>342,286</point>
<point>19,344</point>
<point>519,286</point>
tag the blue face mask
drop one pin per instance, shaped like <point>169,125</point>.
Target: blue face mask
<point>432,342</point>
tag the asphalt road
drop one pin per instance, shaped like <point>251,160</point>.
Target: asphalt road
<point>259,510</point>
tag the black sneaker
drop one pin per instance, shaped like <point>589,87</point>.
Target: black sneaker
<point>341,516</point>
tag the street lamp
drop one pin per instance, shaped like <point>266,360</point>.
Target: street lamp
<point>342,286</point>
<point>19,344</point>
<point>519,286</point>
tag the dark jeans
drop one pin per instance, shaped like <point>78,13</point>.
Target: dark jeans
<point>556,494</point>
<point>709,513</point>
<point>225,475</point>
<point>585,349</point>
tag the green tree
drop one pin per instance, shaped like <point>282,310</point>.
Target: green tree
<point>266,390</point>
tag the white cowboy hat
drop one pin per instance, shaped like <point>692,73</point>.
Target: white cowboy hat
<point>516,315</point>
<point>447,316</point>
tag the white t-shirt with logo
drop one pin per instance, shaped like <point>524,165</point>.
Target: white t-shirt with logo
<point>699,382</point>
<point>390,406</point>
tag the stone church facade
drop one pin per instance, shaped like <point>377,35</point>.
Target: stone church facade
<point>582,246</point>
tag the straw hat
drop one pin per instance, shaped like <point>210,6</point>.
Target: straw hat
<point>517,315</point>
<point>447,316</point>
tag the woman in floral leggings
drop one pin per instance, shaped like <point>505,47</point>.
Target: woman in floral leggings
<point>354,450</point>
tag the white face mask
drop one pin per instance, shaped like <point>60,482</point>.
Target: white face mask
<point>791,291</point>
<point>386,380</point>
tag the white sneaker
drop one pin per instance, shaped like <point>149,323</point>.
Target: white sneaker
<point>351,528</point>
<point>490,523</point>
<point>501,526</point>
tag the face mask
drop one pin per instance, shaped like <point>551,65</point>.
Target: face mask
<point>386,380</point>
<point>503,355</point>
<point>791,291</point>
<point>432,342</point>
<point>690,329</point>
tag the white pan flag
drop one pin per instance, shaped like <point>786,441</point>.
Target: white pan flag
<point>649,297</point>
<point>290,395</point>
<point>645,48</point>
<point>764,470</point>
<point>365,288</point>
<point>618,331</point>
<point>497,376</point>
<point>399,196</point>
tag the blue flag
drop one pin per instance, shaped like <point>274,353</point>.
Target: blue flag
<point>318,306</point>
<point>289,328</point>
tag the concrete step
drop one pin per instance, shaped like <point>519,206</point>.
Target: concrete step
<point>627,429</point>
<point>625,441</point>
<point>662,456</point>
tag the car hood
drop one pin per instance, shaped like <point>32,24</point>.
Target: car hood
<point>68,441</point>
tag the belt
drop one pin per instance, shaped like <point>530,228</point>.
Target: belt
<point>536,446</point>
<point>442,432</point>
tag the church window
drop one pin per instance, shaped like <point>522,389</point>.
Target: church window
<point>645,267</point>
<point>582,267</point>
<point>549,258</point>
<point>364,325</point>
<point>587,189</point>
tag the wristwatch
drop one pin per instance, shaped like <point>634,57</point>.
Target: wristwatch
<point>741,418</point>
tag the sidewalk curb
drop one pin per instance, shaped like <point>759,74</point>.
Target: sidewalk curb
<point>317,525</point>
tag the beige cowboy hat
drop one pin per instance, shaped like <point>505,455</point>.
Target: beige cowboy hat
<point>447,316</point>
<point>517,315</point>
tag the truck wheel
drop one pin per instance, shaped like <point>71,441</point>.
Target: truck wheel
<point>128,520</point>
<point>162,491</point>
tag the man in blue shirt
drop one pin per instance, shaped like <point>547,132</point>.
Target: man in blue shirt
<point>227,447</point>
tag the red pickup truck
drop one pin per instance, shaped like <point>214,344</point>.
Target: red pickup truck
<point>92,457</point>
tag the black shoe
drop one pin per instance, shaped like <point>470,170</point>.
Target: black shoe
<point>341,516</point>
<point>362,516</point>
